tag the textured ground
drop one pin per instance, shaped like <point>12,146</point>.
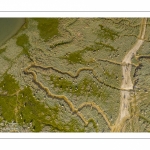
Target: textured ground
<point>65,75</point>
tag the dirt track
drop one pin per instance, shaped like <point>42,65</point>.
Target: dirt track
<point>127,82</point>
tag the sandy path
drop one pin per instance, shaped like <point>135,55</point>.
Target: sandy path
<point>127,82</point>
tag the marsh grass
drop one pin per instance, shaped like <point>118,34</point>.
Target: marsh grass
<point>48,27</point>
<point>23,41</point>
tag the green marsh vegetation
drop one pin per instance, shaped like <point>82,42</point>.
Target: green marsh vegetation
<point>34,112</point>
<point>23,41</point>
<point>8,101</point>
<point>25,109</point>
<point>2,50</point>
<point>107,33</point>
<point>48,27</point>
<point>9,84</point>
<point>77,56</point>
<point>86,86</point>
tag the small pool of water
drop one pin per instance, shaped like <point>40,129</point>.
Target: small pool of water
<point>8,27</point>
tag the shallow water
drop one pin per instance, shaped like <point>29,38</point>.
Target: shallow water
<point>8,27</point>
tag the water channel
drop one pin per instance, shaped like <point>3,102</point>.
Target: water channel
<point>9,27</point>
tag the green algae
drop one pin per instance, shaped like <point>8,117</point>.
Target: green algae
<point>8,105</point>
<point>74,126</point>
<point>9,84</point>
<point>107,33</point>
<point>23,41</point>
<point>31,110</point>
<point>109,74</point>
<point>60,82</point>
<point>85,87</point>
<point>99,46</point>
<point>6,58</point>
<point>2,50</point>
<point>77,56</point>
<point>48,27</point>
<point>25,109</point>
<point>34,112</point>
<point>103,46</point>
<point>94,124</point>
<point>61,43</point>
<point>8,101</point>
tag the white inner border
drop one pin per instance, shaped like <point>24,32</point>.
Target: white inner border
<point>74,14</point>
<point>76,135</point>
<point>74,5</point>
